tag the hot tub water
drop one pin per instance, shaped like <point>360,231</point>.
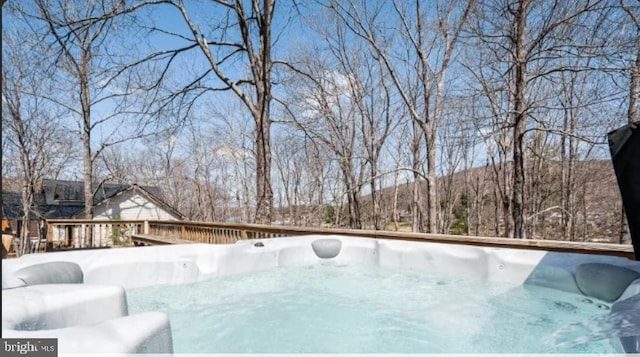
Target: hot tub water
<point>330,308</point>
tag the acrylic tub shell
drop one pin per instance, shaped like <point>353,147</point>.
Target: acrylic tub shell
<point>81,315</point>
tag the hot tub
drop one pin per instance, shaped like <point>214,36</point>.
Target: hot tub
<point>431,290</point>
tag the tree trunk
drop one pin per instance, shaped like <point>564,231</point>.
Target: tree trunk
<point>27,200</point>
<point>416,204</point>
<point>264,191</point>
<point>356,215</point>
<point>519,115</point>
<point>496,209</point>
<point>633,113</point>
<point>394,205</point>
<point>263,117</point>
<point>375,201</point>
<point>564,179</point>
<point>467,190</point>
<point>353,204</point>
<point>432,200</point>
<point>87,159</point>
<point>479,203</point>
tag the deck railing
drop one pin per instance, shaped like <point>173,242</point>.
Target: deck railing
<point>75,234</point>
<point>78,234</point>
<point>220,233</point>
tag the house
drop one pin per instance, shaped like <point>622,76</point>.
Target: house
<point>135,203</point>
<point>12,215</point>
<point>60,199</point>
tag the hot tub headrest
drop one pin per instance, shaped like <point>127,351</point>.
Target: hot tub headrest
<point>326,248</point>
<point>51,273</point>
<point>604,281</point>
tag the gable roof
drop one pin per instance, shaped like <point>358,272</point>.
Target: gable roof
<point>65,199</point>
<point>147,193</point>
<point>12,205</point>
<point>70,192</point>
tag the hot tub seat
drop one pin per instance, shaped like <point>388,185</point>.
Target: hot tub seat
<point>84,318</point>
<point>148,332</point>
<point>51,273</point>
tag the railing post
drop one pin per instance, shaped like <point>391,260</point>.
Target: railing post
<point>81,235</point>
<point>146,227</point>
<point>244,235</point>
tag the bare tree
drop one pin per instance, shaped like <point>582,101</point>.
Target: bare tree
<point>231,32</point>
<point>84,56</point>
<point>422,48</point>
<point>302,169</point>
<point>330,117</point>
<point>374,100</point>
<point>633,17</point>
<point>30,124</point>
<point>289,169</point>
<point>369,93</point>
<point>237,155</point>
<point>490,99</point>
<point>457,138</point>
<point>530,36</point>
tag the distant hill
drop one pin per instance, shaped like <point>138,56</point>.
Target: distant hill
<point>592,214</point>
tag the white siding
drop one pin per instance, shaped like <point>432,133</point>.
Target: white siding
<point>131,206</point>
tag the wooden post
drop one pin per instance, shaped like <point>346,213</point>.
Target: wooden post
<point>81,235</point>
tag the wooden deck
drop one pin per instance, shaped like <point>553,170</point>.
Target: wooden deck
<point>149,239</point>
<point>213,232</point>
<point>183,232</point>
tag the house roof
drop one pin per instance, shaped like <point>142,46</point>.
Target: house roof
<point>148,193</point>
<point>11,205</point>
<point>12,208</point>
<point>73,191</point>
<point>65,199</point>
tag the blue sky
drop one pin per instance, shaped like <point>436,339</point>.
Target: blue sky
<point>294,33</point>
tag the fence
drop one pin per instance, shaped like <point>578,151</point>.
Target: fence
<point>70,234</point>
<point>77,234</point>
